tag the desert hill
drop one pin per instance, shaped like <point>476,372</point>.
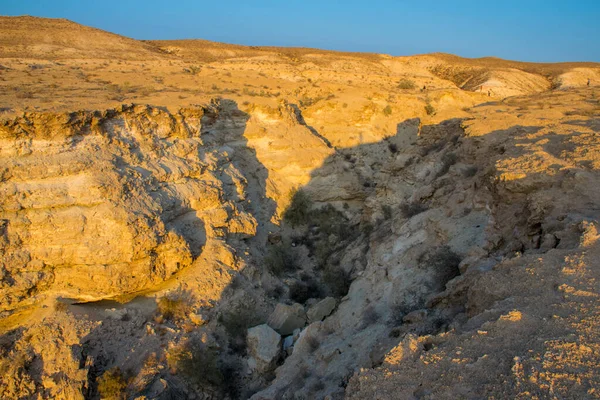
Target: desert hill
<point>56,39</point>
<point>58,65</point>
<point>190,219</point>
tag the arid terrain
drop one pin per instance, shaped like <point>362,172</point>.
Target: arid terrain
<point>190,219</point>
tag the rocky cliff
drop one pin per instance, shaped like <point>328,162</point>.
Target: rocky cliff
<point>295,224</point>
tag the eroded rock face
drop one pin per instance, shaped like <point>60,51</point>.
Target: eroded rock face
<point>31,360</point>
<point>96,205</point>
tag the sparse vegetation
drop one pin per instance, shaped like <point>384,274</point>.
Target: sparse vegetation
<point>429,109</point>
<point>387,211</point>
<point>282,258</point>
<point>197,362</point>
<point>444,261</point>
<point>112,385</point>
<point>328,231</point>
<point>306,288</point>
<point>306,101</point>
<point>434,147</point>
<point>176,306</point>
<point>236,322</point>
<point>61,306</point>
<point>313,344</point>
<point>276,292</point>
<point>406,84</point>
<point>470,171</point>
<point>337,280</point>
<point>367,228</point>
<point>370,316</point>
<point>387,111</point>
<point>298,211</point>
<point>193,69</point>
<point>21,93</point>
<point>409,210</point>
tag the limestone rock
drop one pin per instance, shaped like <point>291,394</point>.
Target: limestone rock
<point>406,133</point>
<point>285,319</point>
<point>321,310</point>
<point>264,346</point>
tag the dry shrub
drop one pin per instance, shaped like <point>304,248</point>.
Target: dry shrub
<point>444,262</point>
<point>298,211</point>
<point>176,306</point>
<point>409,210</point>
<point>21,93</point>
<point>370,316</point>
<point>236,322</point>
<point>197,362</point>
<point>112,385</point>
<point>406,84</point>
<point>282,258</point>
<point>429,109</point>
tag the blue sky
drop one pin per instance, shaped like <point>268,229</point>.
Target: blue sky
<point>527,30</point>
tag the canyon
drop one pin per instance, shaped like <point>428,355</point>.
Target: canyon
<point>190,219</point>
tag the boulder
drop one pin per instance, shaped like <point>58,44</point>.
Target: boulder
<point>285,319</point>
<point>264,346</point>
<point>321,310</point>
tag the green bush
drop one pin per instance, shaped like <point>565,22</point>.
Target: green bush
<point>331,221</point>
<point>298,211</point>
<point>112,385</point>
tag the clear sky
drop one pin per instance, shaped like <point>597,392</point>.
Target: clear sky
<point>527,30</point>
